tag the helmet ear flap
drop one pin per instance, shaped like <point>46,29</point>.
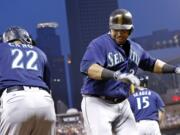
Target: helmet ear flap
<point>131,30</point>
<point>26,39</point>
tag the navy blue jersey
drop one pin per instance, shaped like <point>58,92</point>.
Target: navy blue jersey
<point>145,104</point>
<point>105,52</point>
<point>23,65</point>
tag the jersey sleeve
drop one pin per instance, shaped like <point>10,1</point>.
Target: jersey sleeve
<point>46,74</point>
<point>131,102</point>
<point>93,55</point>
<point>147,62</point>
<point>160,104</point>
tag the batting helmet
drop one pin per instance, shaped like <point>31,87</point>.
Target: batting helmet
<point>121,19</point>
<point>16,33</point>
<point>144,80</point>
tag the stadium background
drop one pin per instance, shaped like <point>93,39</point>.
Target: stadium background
<point>63,29</point>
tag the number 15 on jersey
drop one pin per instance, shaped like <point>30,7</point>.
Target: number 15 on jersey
<point>142,102</point>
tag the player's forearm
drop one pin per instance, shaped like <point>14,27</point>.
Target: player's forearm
<point>162,67</point>
<point>158,66</point>
<point>95,71</point>
<point>161,116</point>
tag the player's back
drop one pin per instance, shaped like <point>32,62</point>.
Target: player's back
<point>21,64</point>
<point>144,104</point>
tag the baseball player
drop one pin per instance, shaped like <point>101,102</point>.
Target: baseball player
<point>27,106</point>
<point>109,65</point>
<point>148,108</point>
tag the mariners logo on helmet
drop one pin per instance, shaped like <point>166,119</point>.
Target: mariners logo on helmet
<point>121,19</point>
<point>16,33</point>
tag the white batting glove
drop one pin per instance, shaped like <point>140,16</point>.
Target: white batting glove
<point>127,78</point>
<point>177,70</point>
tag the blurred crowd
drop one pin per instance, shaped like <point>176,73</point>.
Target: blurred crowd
<point>172,120</point>
<point>74,126</point>
<point>70,129</point>
<point>70,123</point>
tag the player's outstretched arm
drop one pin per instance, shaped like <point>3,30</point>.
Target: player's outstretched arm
<point>97,72</point>
<point>162,67</point>
<point>161,115</point>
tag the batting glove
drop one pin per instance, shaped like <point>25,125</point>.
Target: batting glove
<point>177,70</point>
<point>127,78</point>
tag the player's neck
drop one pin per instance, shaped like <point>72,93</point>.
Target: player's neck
<point>16,42</point>
<point>141,88</point>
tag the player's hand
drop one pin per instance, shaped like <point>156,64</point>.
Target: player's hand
<point>127,78</point>
<point>177,70</point>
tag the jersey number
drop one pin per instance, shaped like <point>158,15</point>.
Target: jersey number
<point>142,102</point>
<point>18,63</point>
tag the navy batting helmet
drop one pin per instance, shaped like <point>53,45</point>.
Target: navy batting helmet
<point>144,80</point>
<point>121,19</point>
<point>16,33</point>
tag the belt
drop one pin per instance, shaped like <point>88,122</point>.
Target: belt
<point>21,88</point>
<point>110,100</point>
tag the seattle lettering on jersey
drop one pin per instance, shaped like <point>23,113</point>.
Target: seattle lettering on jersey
<point>116,58</point>
<point>142,93</point>
<point>134,57</point>
<point>20,45</point>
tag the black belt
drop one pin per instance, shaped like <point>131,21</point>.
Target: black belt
<point>21,88</point>
<point>110,100</point>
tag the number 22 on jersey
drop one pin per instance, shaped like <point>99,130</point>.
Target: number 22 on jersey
<point>142,102</point>
<point>31,56</point>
